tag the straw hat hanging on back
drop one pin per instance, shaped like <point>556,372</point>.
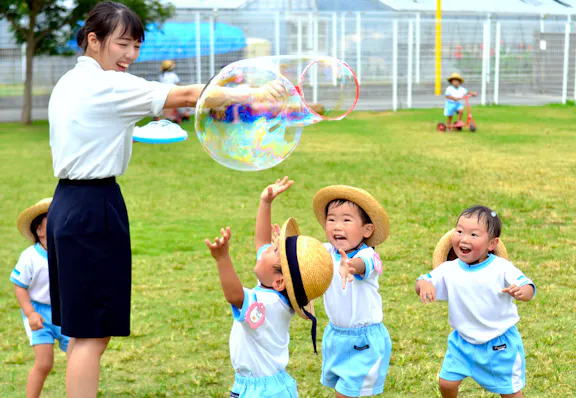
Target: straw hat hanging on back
<point>445,252</point>
<point>367,202</point>
<point>27,216</point>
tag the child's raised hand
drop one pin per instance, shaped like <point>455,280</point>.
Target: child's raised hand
<point>221,245</point>
<point>36,321</point>
<point>346,270</point>
<point>273,190</point>
<point>427,292</point>
<point>522,293</point>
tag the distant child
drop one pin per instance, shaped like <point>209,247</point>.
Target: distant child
<point>32,289</point>
<point>454,94</point>
<point>292,271</point>
<point>356,346</point>
<point>480,286</point>
<point>168,76</point>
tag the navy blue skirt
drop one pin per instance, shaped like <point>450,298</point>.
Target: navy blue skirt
<point>89,259</point>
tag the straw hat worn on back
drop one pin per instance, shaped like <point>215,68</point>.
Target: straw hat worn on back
<point>307,267</point>
<point>363,199</point>
<point>27,216</point>
<point>455,76</point>
<point>445,252</point>
<point>167,65</point>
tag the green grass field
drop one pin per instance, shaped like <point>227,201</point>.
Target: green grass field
<point>521,163</point>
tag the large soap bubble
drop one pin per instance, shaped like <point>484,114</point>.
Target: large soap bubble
<point>249,131</point>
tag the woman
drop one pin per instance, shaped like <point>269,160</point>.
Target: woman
<point>92,113</point>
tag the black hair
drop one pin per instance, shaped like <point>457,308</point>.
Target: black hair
<point>35,224</point>
<point>105,18</point>
<point>339,202</point>
<point>487,216</point>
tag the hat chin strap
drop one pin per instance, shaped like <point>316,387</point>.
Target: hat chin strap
<point>297,284</point>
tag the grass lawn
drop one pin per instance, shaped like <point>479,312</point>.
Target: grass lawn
<point>521,162</point>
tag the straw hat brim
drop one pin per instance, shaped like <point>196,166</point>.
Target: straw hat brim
<point>363,199</point>
<point>455,76</point>
<point>444,251</point>
<point>25,218</point>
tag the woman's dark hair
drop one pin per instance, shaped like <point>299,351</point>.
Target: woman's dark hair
<point>35,224</point>
<point>487,216</point>
<point>105,18</point>
<point>339,202</point>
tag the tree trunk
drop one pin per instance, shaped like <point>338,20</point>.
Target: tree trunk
<point>30,50</point>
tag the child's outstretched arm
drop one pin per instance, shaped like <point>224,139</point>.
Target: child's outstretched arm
<point>426,291</point>
<point>231,285</point>
<point>34,319</point>
<point>350,267</point>
<point>522,293</point>
<point>263,233</point>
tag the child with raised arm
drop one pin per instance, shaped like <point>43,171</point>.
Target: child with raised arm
<point>480,286</point>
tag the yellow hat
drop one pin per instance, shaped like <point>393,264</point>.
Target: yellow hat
<point>363,199</point>
<point>167,65</point>
<point>445,252</point>
<point>455,76</point>
<point>27,216</point>
<point>307,267</point>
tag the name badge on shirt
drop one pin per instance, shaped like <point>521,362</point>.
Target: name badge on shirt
<point>255,315</point>
<point>377,263</point>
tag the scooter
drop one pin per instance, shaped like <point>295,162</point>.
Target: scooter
<point>470,123</point>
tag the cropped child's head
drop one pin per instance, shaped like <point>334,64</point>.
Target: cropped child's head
<point>351,216</point>
<point>477,234</point>
<point>455,79</point>
<point>268,269</point>
<point>32,221</point>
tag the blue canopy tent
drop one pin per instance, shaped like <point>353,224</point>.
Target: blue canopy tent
<point>177,40</point>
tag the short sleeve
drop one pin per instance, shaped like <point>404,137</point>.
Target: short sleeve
<point>371,261</point>
<point>447,91</point>
<point>240,313</point>
<point>135,98</point>
<point>513,276</point>
<point>23,272</point>
<point>261,251</point>
<point>436,277</point>
<point>465,91</point>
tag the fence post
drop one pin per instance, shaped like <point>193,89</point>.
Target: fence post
<point>23,61</point>
<point>299,43</point>
<point>343,36</point>
<point>315,52</point>
<point>410,54</point>
<point>277,32</point>
<point>198,51</point>
<point>484,63</point>
<point>334,35</point>
<point>212,66</point>
<point>489,42</point>
<point>566,56</point>
<point>541,23</point>
<point>417,48</point>
<point>359,48</point>
<point>497,65</point>
<point>395,65</point>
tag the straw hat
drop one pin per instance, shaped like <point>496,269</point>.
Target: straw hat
<point>445,252</point>
<point>363,199</point>
<point>27,216</point>
<point>307,267</point>
<point>455,76</point>
<point>167,65</point>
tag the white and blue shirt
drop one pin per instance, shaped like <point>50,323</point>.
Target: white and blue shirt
<point>454,92</point>
<point>31,273</point>
<point>477,308</point>
<point>92,113</point>
<point>360,304</point>
<point>261,351</point>
<point>169,77</point>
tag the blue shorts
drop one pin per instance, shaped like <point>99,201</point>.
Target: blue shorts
<point>452,107</point>
<point>498,366</point>
<point>49,333</point>
<point>281,385</point>
<point>355,361</point>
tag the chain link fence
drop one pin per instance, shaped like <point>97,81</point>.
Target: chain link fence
<point>512,61</point>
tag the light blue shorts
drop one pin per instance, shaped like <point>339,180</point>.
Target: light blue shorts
<point>281,385</point>
<point>452,107</point>
<point>498,366</point>
<point>355,361</point>
<point>49,333</point>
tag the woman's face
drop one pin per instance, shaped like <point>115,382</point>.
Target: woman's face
<point>117,52</point>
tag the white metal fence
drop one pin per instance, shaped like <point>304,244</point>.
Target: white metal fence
<point>508,61</point>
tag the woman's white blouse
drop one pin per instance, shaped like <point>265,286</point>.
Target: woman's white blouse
<point>92,114</point>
